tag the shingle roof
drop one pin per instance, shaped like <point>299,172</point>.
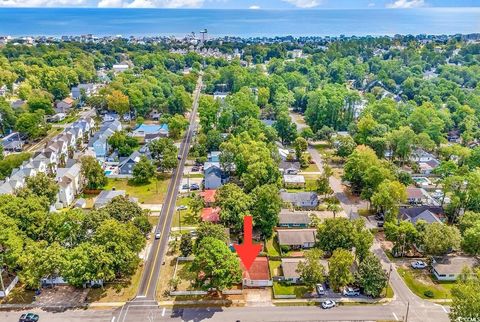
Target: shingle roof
<point>286,217</point>
<point>292,237</point>
<point>258,271</point>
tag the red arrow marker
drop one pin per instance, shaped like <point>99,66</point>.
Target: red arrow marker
<point>248,251</point>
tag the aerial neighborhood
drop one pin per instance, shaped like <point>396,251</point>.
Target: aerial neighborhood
<point>130,168</point>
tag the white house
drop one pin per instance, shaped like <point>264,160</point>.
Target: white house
<point>69,180</point>
<point>450,267</point>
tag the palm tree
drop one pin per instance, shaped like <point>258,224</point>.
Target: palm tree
<point>333,207</point>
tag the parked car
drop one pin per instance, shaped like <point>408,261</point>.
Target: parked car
<point>380,224</point>
<point>29,317</point>
<point>350,291</point>
<point>194,186</point>
<point>182,207</point>
<point>195,169</point>
<point>419,265</point>
<point>328,304</point>
<point>185,187</point>
<point>320,289</point>
<point>157,235</point>
<point>379,216</point>
<point>179,157</point>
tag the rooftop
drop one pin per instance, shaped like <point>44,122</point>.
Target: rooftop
<point>453,264</point>
<point>258,271</point>
<point>292,237</point>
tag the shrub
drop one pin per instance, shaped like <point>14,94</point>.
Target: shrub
<point>429,294</point>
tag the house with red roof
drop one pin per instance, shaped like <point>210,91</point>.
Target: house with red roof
<point>258,275</point>
<point>211,214</point>
<point>208,197</point>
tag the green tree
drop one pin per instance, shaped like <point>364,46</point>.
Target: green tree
<point>439,238</point>
<point>402,234</point>
<point>143,170</point>
<point>43,186</point>
<point>186,245</point>
<point>220,267</point>
<point>311,270</point>
<point>344,144</point>
<point>176,124</point>
<point>286,129</point>
<point>465,297</point>
<point>32,125</point>
<point>165,153</point>
<point>335,233</point>
<point>339,269</point>
<point>142,223</point>
<point>208,229</point>
<point>388,197</point>
<point>93,173</point>
<point>118,102</point>
<point>40,103</point>
<point>180,101</point>
<point>123,209</point>
<point>371,276</point>
<point>234,205</point>
<point>301,146</point>
<point>266,205</point>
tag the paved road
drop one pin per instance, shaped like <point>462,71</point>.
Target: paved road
<point>147,290</point>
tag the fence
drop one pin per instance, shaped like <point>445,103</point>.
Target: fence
<point>289,296</point>
<point>4,293</point>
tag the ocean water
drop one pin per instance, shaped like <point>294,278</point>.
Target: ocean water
<point>242,23</point>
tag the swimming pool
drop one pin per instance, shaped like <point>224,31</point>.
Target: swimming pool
<point>108,172</point>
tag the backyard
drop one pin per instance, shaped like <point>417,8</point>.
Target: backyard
<point>153,192</point>
<point>422,284</point>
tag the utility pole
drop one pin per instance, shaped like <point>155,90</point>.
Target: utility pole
<point>408,308</point>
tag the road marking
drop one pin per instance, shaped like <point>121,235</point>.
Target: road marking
<point>172,193</point>
<point>395,316</point>
<point>163,311</point>
<point>141,296</point>
<point>113,319</point>
<point>444,309</point>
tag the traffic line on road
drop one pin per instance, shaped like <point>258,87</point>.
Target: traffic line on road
<point>113,319</point>
<point>163,311</point>
<point>395,316</point>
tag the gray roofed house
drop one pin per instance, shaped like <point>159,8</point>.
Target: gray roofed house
<point>291,219</point>
<point>126,165</point>
<point>290,265</point>
<point>297,238</point>
<point>450,267</point>
<point>107,195</point>
<point>293,181</point>
<point>428,213</point>
<point>88,88</point>
<point>289,167</point>
<point>213,177</point>
<point>300,199</point>
<point>17,104</point>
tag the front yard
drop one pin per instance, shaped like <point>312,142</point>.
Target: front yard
<point>422,284</point>
<point>152,193</point>
<point>187,217</point>
<point>299,291</point>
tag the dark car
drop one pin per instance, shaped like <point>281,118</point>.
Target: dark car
<point>185,187</point>
<point>380,224</point>
<point>29,317</point>
<point>179,157</point>
<point>195,169</point>
<point>194,186</point>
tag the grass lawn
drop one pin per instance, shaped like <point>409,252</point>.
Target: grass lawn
<point>119,291</point>
<point>19,295</point>
<point>166,274</point>
<point>273,249</point>
<point>284,289</point>
<point>420,281</point>
<point>193,175</point>
<point>153,192</point>
<point>310,184</point>
<point>187,217</point>
<point>311,168</point>
<point>275,268</point>
<point>187,278</point>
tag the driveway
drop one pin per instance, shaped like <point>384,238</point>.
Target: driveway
<point>258,297</point>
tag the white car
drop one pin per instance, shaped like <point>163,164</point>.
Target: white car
<point>328,304</point>
<point>419,265</point>
<point>320,289</point>
<point>157,235</point>
<point>350,291</point>
<point>182,207</point>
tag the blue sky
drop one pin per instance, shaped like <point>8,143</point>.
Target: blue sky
<point>244,4</point>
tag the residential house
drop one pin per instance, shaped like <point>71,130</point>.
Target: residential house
<point>289,167</point>
<point>3,90</point>
<point>290,267</point>
<point>88,89</point>
<point>155,115</point>
<point>70,184</point>
<point>208,197</point>
<point>221,96</point>
<point>293,181</point>
<point>214,177</point>
<point>430,214</point>
<point>64,105</point>
<point>12,142</point>
<point>258,275</point>
<point>297,238</point>
<point>293,219</point>
<point>126,166</point>
<point>151,131</point>
<point>425,160</point>
<point>300,199</point>
<point>18,104</point>
<point>211,214</point>
<point>99,142</point>
<point>119,68</point>
<point>213,156</point>
<point>450,267</point>
<point>416,196</point>
<point>106,196</point>
<point>58,117</point>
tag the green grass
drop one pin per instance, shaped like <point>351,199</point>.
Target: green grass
<point>284,289</point>
<point>311,168</point>
<point>274,267</point>
<point>19,295</point>
<point>273,249</point>
<point>389,292</point>
<point>193,175</point>
<point>153,192</point>
<point>187,218</point>
<point>420,281</point>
